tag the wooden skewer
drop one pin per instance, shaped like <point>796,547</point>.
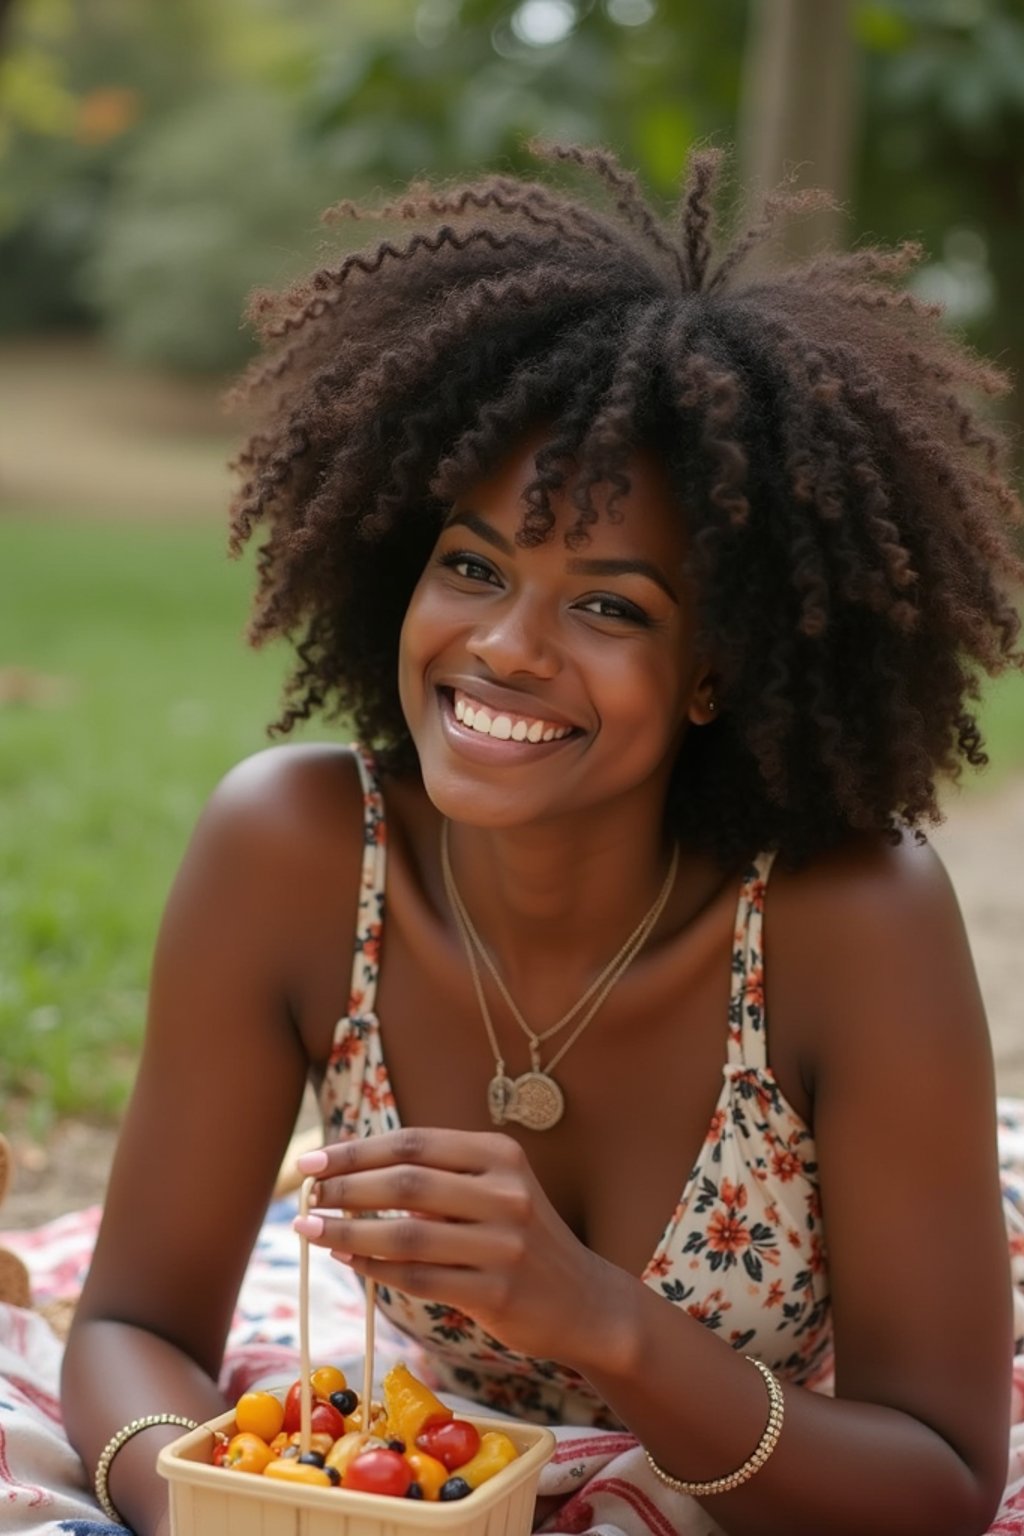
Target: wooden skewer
<point>371,1310</point>
<point>305,1364</point>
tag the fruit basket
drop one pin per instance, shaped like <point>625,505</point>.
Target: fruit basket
<point>292,1496</point>
<point>208,1501</point>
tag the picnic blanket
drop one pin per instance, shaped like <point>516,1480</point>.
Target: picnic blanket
<point>601,1478</point>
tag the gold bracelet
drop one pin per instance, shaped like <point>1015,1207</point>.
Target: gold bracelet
<point>764,1448</point>
<point>115,1443</point>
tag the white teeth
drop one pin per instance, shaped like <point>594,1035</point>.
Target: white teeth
<point>505,727</point>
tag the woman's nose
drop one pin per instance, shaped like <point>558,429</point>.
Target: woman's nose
<point>516,638</point>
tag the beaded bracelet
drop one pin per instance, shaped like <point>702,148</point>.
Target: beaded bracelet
<point>115,1443</point>
<point>764,1448</point>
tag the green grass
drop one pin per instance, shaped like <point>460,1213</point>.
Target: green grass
<point>98,792</point>
<point>143,625</point>
<point>1002,723</point>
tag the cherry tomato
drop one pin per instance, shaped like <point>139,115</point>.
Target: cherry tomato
<point>454,1442</point>
<point>327,1379</point>
<point>220,1450</point>
<point>259,1413</point>
<point>247,1453</point>
<point>379,1472</point>
<point>324,1419</point>
<point>292,1408</point>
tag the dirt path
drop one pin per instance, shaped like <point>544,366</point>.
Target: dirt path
<point>981,843</point>
<point>82,433</point>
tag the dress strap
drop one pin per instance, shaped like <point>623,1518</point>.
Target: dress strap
<point>748,1040</point>
<point>370,917</point>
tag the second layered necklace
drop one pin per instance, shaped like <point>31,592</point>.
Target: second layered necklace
<point>535,1099</point>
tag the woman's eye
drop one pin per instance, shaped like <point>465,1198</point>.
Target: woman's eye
<point>468,566</point>
<point>605,607</point>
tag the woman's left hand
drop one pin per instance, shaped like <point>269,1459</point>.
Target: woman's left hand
<point>472,1228</point>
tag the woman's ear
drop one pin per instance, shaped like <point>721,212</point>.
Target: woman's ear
<point>704,704</point>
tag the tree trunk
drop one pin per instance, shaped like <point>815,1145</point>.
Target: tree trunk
<point>798,110</point>
<point>6,6</point>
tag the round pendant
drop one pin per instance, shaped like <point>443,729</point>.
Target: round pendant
<point>499,1095</point>
<point>536,1102</point>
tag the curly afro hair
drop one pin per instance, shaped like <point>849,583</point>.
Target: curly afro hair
<point>846,505</point>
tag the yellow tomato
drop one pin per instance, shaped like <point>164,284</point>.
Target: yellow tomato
<point>428,1472</point>
<point>247,1453</point>
<point>259,1413</point>
<point>327,1379</point>
<point>496,1451</point>
<point>292,1471</point>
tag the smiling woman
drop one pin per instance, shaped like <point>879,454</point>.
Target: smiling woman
<point>658,599</point>
<point>592,653</point>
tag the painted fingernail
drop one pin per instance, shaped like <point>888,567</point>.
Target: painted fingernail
<point>308,1226</point>
<point>312,1162</point>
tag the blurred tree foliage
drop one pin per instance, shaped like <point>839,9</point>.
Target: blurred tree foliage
<point>156,161</point>
<point>943,156</point>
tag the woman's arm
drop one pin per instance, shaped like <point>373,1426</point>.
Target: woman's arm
<point>215,1101</point>
<point>916,1439</point>
<point>915,1443</point>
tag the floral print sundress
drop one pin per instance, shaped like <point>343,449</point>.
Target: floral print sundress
<point>744,1249</point>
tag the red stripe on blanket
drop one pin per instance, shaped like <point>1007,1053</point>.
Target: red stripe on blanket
<point>15,1486</point>
<point>600,1445</point>
<point>1010,1520</point>
<point>44,1401</point>
<point>637,1500</point>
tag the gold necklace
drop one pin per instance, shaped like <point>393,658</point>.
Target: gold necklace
<point>534,1099</point>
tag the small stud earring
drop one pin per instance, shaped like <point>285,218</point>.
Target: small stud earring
<point>711,706</point>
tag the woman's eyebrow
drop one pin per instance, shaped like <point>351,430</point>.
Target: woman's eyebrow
<point>483,530</point>
<point>623,567</point>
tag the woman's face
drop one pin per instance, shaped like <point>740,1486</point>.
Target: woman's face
<point>541,683</point>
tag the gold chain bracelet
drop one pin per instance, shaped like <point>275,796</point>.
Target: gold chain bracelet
<point>764,1448</point>
<point>115,1443</point>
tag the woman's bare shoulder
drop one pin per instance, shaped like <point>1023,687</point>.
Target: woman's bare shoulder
<point>279,840</point>
<point>893,895</point>
<point>291,789</point>
<point>866,949</point>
